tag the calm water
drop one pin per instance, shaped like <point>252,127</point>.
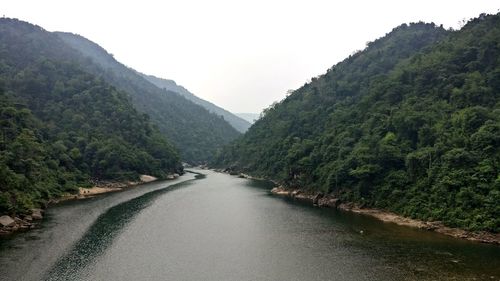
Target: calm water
<point>219,227</point>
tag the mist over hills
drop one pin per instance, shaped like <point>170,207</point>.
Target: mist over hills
<point>195,131</point>
<point>250,117</point>
<point>237,122</point>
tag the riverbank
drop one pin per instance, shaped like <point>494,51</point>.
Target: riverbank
<point>320,200</point>
<point>29,220</point>
<point>242,175</point>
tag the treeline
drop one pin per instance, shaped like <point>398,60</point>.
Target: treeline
<point>62,127</point>
<point>197,133</point>
<point>411,124</point>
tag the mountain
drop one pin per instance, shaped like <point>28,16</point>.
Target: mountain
<point>62,127</point>
<point>196,132</point>
<point>237,122</point>
<point>250,117</point>
<point>411,124</point>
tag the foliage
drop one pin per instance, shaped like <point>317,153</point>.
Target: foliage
<point>196,132</point>
<point>411,124</point>
<point>62,127</point>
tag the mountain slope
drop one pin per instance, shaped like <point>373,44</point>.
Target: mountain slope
<point>237,122</point>
<point>250,117</point>
<point>63,127</point>
<point>411,124</point>
<point>197,133</point>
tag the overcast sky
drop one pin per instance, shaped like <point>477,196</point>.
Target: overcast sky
<point>241,55</point>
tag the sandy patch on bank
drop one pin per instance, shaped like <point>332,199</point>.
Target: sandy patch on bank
<point>147,178</point>
<point>96,190</point>
<point>113,186</point>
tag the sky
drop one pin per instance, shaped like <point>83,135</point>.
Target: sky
<point>240,55</point>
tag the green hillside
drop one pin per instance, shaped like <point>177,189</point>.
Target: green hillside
<point>237,122</point>
<point>196,132</point>
<point>411,124</point>
<point>63,127</point>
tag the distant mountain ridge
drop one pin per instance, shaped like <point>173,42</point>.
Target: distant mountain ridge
<point>250,117</point>
<point>237,122</point>
<point>196,132</point>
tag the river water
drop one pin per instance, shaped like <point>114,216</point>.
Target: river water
<point>219,227</point>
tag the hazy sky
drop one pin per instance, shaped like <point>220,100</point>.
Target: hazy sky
<point>241,55</point>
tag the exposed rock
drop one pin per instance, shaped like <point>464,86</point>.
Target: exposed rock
<point>147,178</point>
<point>280,191</point>
<point>295,193</point>
<point>36,214</point>
<point>317,197</point>
<point>38,210</point>
<point>7,221</point>
<point>28,218</point>
<point>349,206</point>
<point>304,197</point>
<point>329,202</point>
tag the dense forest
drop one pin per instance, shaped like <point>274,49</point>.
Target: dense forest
<point>62,127</point>
<point>195,131</point>
<point>411,124</point>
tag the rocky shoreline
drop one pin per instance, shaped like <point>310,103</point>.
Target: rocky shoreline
<point>12,224</point>
<point>15,223</point>
<point>321,200</point>
<point>102,187</point>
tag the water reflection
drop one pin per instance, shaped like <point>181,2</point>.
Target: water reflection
<point>227,228</point>
<point>102,233</point>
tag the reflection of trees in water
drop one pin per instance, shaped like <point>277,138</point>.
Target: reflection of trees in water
<point>102,233</point>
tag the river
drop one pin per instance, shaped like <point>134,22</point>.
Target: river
<point>220,227</point>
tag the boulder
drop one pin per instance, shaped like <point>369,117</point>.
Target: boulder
<point>36,214</point>
<point>316,198</point>
<point>329,202</point>
<point>295,193</point>
<point>41,211</point>
<point>7,221</point>
<point>147,178</point>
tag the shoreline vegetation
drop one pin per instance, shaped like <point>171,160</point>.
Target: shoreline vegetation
<point>409,124</point>
<point>19,222</point>
<point>327,201</point>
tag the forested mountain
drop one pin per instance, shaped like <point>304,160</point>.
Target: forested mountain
<point>62,127</point>
<point>196,132</point>
<point>411,124</point>
<point>237,122</point>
